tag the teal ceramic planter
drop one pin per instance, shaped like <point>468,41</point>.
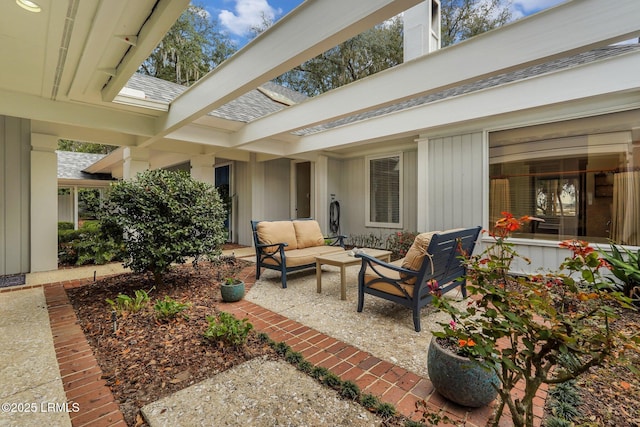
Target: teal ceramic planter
<point>233,291</point>
<point>460,379</point>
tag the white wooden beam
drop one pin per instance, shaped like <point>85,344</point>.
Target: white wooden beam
<point>310,29</point>
<point>69,113</point>
<point>569,28</point>
<point>542,91</point>
<point>166,13</point>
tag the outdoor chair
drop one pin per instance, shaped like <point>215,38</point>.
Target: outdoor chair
<point>433,263</point>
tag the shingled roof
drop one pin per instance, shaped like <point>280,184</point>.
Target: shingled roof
<point>266,99</point>
<point>270,97</point>
<point>71,166</point>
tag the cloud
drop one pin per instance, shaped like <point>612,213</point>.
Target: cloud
<point>521,8</point>
<point>247,14</point>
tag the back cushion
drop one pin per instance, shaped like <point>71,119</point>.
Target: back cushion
<point>415,254</point>
<point>277,232</point>
<point>308,234</point>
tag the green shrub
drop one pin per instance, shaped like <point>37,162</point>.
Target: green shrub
<point>305,366</point>
<point>168,308</point>
<point>125,303</point>
<point>400,242</point>
<point>281,348</point>
<point>293,357</point>
<point>385,410</point>
<point>64,225</point>
<point>87,245</point>
<point>164,217</point>
<point>350,390</point>
<point>332,380</point>
<point>369,401</point>
<point>557,422</point>
<point>228,328</point>
<point>319,372</point>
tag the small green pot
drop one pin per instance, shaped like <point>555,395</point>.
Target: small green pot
<point>232,292</point>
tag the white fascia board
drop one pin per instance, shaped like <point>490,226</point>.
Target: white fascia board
<point>70,113</point>
<point>80,133</point>
<point>165,14</point>
<point>310,29</point>
<point>201,135</point>
<point>616,75</point>
<point>566,29</point>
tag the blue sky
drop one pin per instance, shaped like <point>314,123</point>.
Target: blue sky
<point>237,17</point>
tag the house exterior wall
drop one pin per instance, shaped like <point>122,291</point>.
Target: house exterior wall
<point>350,192</point>
<point>14,194</point>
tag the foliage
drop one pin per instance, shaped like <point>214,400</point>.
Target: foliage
<point>523,327</point>
<point>463,19</point>
<point>281,348</point>
<point>400,242</point>
<point>191,48</point>
<point>84,147</point>
<point>332,380</point>
<point>626,268</point>
<point>365,241</point>
<point>228,328</point>
<point>319,372</point>
<point>125,303</point>
<point>363,55</point>
<point>293,357</point>
<point>168,308</point>
<point>385,410</point>
<point>87,245</point>
<point>369,401</point>
<point>350,390</point>
<point>89,203</point>
<point>163,217</point>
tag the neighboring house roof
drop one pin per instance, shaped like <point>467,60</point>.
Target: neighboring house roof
<point>266,99</point>
<point>493,81</point>
<point>71,166</point>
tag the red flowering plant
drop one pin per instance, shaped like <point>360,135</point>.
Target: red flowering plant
<point>535,329</point>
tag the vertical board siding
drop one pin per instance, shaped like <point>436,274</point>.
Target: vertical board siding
<point>455,173</point>
<point>14,195</point>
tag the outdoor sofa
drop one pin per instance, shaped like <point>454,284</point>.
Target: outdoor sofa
<point>291,245</point>
<point>432,263</point>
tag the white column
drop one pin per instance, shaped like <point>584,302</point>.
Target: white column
<point>423,185</point>
<point>135,160</point>
<point>256,169</point>
<point>202,169</point>
<point>322,192</point>
<point>44,203</point>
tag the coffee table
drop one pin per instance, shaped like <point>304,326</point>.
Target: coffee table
<point>343,260</point>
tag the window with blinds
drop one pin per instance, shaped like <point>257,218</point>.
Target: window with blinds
<point>384,191</point>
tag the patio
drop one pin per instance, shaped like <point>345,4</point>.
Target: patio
<point>340,339</point>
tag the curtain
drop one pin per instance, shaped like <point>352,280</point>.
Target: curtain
<point>499,200</point>
<point>625,222</point>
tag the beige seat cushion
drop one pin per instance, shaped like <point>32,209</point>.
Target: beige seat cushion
<point>416,253</point>
<point>305,256</point>
<point>308,234</point>
<point>388,288</point>
<point>271,232</point>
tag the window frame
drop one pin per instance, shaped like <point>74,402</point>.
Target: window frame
<point>367,212</point>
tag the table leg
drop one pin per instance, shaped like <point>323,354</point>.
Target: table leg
<point>343,283</point>
<point>318,276</point>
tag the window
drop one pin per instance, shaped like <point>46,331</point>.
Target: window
<point>384,191</point>
<point>583,184</point>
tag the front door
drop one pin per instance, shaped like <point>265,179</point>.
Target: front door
<point>223,185</point>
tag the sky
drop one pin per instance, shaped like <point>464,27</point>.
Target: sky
<point>237,17</point>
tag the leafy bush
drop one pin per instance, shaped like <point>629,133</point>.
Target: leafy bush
<point>125,303</point>
<point>164,217</point>
<point>626,268</point>
<point>350,390</point>
<point>168,308</point>
<point>87,245</point>
<point>400,242</point>
<point>228,328</point>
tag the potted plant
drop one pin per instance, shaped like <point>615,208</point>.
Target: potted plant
<point>458,377</point>
<point>232,289</point>
<point>536,329</point>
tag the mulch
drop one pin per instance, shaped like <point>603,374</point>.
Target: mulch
<point>145,359</point>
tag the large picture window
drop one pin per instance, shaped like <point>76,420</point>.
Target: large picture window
<point>384,191</point>
<point>584,186</point>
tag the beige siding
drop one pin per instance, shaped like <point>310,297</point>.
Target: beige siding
<point>455,181</point>
<point>14,195</point>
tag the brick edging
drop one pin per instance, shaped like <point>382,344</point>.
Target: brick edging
<point>81,375</point>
